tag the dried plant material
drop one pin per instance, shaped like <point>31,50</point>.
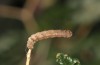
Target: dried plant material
<point>45,35</point>
<point>28,56</point>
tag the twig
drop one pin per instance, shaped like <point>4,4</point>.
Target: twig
<point>44,35</point>
<point>28,56</point>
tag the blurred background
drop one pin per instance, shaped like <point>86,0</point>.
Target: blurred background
<point>21,18</point>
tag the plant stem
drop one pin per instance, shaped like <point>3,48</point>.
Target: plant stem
<point>28,56</point>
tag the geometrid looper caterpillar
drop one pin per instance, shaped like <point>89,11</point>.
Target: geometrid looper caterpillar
<point>44,35</point>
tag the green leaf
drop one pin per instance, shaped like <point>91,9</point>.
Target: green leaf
<point>64,59</point>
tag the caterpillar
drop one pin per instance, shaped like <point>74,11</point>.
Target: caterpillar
<point>47,34</point>
<point>44,35</point>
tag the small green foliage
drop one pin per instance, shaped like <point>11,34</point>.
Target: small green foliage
<point>64,59</point>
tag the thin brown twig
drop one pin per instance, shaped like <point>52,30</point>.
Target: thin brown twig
<point>27,16</point>
<point>10,12</point>
<point>44,35</point>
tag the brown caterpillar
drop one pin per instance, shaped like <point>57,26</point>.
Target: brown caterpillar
<point>47,34</point>
<point>44,35</point>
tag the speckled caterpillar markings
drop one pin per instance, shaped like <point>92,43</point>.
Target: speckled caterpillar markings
<point>47,34</point>
<point>44,35</point>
